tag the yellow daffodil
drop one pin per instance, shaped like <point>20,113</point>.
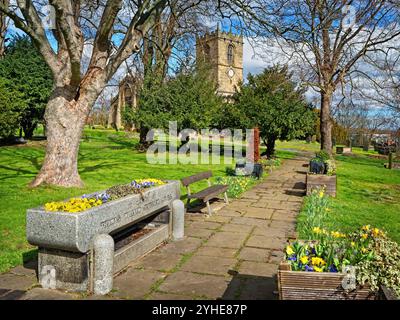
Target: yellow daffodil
<point>317,269</point>
<point>366,228</point>
<point>316,261</point>
<point>317,230</point>
<point>304,259</point>
<point>289,250</point>
<point>364,236</point>
<point>376,232</point>
<point>364,250</point>
<point>337,234</point>
<point>353,244</point>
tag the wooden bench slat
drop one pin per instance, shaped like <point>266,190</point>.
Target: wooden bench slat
<point>197,177</point>
<point>209,193</point>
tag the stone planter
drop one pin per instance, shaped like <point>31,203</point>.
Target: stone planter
<point>314,181</point>
<point>301,285</point>
<point>65,240</point>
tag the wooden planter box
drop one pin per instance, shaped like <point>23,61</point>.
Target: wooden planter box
<point>314,181</point>
<point>301,285</point>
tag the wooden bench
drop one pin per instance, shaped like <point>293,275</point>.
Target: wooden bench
<point>207,194</point>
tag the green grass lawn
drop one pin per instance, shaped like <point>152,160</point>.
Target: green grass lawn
<point>106,158</point>
<point>367,194</point>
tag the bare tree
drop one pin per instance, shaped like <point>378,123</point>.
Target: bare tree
<point>116,28</point>
<point>328,37</point>
<point>380,84</point>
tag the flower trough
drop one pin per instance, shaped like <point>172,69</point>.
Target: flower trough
<point>64,231</point>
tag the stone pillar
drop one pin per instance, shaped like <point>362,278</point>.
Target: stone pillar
<point>178,220</point>
<point>103,247</point>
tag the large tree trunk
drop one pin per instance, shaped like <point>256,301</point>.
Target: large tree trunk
<point>65,120</point>
<point>270,152</point>
<point>326,122</point>
<point>270,144</point>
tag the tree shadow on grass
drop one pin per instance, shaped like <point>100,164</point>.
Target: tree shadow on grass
<point>99,166</point>
<point>32,157</point>
<point>251,287</point>
<point>123,144</point>
<point>17,171</point>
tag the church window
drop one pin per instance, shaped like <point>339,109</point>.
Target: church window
<point>207,50</point>
<point>230,54</point>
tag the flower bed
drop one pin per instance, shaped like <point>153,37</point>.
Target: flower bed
<point>341,265</point>
<point>86,202</point>
<point>236,185</point>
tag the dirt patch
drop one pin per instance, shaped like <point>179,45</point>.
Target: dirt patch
<point>129,238</point>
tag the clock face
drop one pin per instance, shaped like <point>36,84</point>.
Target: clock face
<point>231,73</point>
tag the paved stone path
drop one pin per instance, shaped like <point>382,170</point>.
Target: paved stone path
<point>233,254</point>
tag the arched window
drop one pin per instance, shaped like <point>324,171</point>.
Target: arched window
<point>230,54</point>
<point>207,50</point>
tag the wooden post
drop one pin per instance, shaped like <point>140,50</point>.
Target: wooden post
<point>226,198</point>
<point>209,208</point>
<point>256,145</point>
<point>390,160</point>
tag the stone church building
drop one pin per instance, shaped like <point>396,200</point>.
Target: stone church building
<point>221,51</point>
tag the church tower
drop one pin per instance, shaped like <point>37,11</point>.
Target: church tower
<point>223,52</point>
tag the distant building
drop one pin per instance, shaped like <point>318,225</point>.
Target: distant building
<point>223,52</point>
<point>127,98</point>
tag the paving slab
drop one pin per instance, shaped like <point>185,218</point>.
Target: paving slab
<point>16,282</point>
<point>254,254</point>
<point>207,286</point>
<point>161,261</point>
<point>184,246</point>
<point>217,252</point>
<point>198,232</point>
<point>266,242</point>
<point>251,221</point>
<point>209,265</point>
<point>135,284</point>
<point>270,232</point>
<point>237,228</point>
<point>218,218</point>
<point>227,240</point>
<point>212,225</point>
<point>229,213</point>
<point>250,268</point>
<point>258,213</point>
<point>45,294</point>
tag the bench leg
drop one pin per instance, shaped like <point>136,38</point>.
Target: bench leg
<point>226,198</point>
<point>209,208</point>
